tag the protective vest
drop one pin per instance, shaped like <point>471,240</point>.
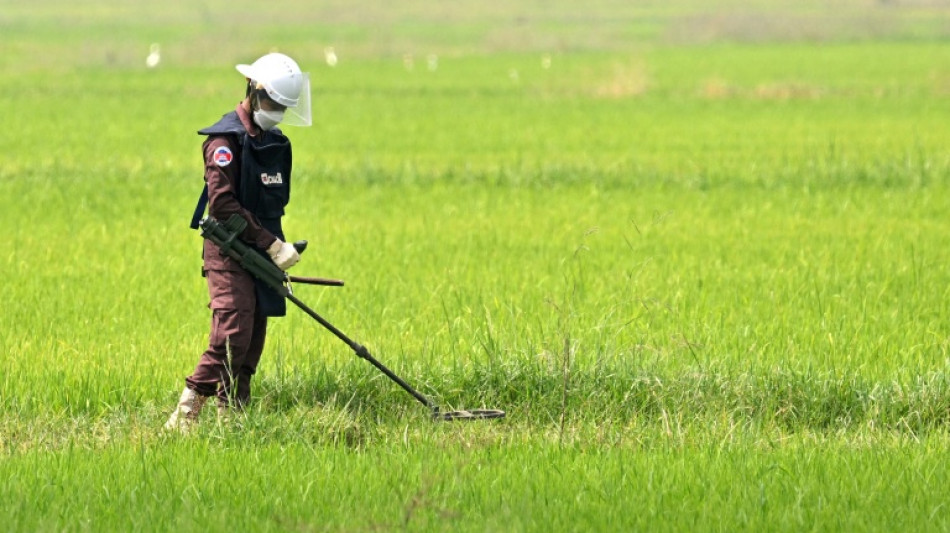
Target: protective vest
<point>263,188</point>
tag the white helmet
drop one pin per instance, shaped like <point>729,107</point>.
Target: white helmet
<point>284,83</point>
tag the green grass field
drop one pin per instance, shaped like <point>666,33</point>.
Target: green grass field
<point>696,251</point>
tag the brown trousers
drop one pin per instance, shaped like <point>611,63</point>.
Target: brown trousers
<point>236,340</point>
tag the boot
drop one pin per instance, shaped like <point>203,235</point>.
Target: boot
<point>243,395</point>
<point>187,411</point>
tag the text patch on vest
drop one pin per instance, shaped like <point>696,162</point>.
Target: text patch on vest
<point>272,179</point>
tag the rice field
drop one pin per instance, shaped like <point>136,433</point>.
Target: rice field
<point>696,251</point>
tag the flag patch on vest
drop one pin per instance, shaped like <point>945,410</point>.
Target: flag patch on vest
<point>222,156</point>
<point>272,179</point>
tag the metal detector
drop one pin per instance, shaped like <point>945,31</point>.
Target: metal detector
<point>225,236</point>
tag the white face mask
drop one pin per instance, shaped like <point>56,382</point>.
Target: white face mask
<point>268,119</point>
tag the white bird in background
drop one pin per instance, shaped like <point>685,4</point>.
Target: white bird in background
<point>330,55</point>
<point>154,56</point>
<point>433,62</point>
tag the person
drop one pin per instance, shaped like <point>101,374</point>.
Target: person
<point>247,171</point>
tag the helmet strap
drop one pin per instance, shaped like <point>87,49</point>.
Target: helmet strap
<point>256,96</point>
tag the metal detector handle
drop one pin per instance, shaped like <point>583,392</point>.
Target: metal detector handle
<point>225,236</point>
<point>300,246</point>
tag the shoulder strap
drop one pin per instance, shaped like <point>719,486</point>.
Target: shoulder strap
<point>200,208</point>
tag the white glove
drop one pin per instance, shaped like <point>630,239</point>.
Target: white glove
<point>283,254</point>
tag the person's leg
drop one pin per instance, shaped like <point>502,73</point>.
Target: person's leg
<point>231,334</point>
<point>251,360</point>
<point>232,330</point>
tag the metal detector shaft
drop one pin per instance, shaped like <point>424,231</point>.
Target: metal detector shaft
<point>361,351</point>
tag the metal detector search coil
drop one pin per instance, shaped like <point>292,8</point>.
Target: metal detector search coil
<point>225,237</point>
<point>472,414</point>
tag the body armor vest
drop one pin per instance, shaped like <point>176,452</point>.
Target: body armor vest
<point>263,188</point>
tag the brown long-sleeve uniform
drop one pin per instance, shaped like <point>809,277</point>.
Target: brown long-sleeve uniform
<point>237,328</point>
